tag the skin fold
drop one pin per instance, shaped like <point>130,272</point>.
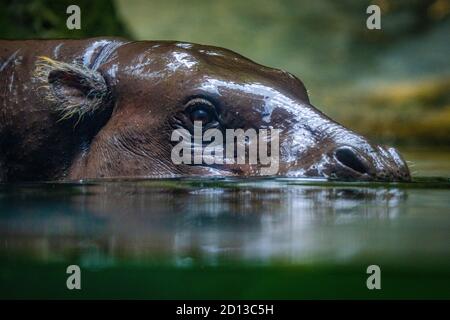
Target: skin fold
<point>106,107</point>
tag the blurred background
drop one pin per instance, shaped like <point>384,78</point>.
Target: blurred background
<point>390,84</point>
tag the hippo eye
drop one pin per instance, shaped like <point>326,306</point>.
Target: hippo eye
<point>201,110</point>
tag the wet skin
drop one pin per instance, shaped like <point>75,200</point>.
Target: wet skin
<point>146,90</point>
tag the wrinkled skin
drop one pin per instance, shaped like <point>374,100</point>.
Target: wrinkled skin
<point>149,85</point>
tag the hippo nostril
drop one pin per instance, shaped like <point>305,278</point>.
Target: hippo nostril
<point>349,158</point>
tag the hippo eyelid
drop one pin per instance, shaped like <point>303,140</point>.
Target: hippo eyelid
<point>198,101</point>
<point>210,99</point>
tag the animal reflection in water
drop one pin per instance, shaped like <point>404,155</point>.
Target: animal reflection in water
<point>250,219</point>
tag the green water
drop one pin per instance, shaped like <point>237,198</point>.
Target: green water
<point>200,238</point>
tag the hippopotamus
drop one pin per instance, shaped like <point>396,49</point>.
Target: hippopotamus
<point>106,108</point>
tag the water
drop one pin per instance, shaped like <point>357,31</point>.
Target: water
<point>226,238</point>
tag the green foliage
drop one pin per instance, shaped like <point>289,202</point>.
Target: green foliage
<point>30,19</point>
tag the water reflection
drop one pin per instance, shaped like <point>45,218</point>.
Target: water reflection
<point>188,221</point>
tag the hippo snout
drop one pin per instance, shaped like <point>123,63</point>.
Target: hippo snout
<point>379,164</point>
<point>321,147</point>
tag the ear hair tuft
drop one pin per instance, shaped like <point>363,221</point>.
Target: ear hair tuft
<point>87,89</point>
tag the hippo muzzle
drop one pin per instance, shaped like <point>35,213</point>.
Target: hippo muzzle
<point>324,148</point>
<point>100,108</point>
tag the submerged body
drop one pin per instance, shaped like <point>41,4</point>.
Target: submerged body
<point>94,108</point>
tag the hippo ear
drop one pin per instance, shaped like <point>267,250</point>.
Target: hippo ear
<point>74,89</point>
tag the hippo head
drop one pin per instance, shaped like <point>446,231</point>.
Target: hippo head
<point>154,88</point>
